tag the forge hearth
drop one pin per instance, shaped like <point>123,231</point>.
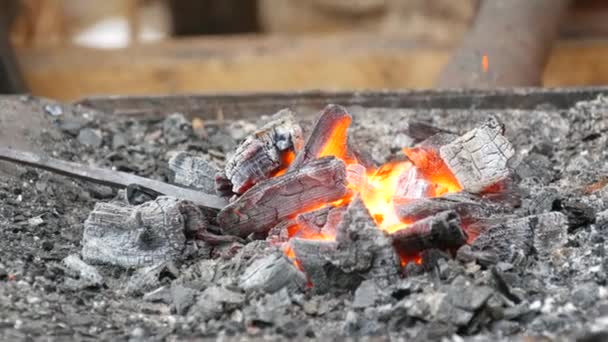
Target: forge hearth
<point>420,224</point>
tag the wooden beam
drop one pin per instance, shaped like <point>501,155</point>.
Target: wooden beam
<point>268,63</point>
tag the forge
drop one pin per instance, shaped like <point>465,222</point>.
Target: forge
<point>422,215</point>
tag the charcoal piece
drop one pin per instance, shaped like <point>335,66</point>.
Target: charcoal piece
<point>356,175</point>
<point>578,213</point>
<point>147,278</point>
<point>366,295</point>
<point>334,217</point>
<point>510,242</point>
<point>215,301</point>
<point>421,131</point>
<point>119,140</point>
<point>364,248</point>
<point>182,298</point>
<point>264,152</point>
<point>504,283</point>
<point>441,231</point>
<point>436,141</point>
<point>273,200</point>
<point>362,156</point>
<point>515,239</point>
<point>196,222</point>
<point>280,232</point>
<point>322,221</point>
<point>585,294</point>
<point>223,186</point>
<point>450,313</point>
<point>436,331</point>
<point>537,167</point>
<point>134,236</point>
<point>361,251</point>
<point>543,201</point>
<point>273,309</point>
<point>193,172</point>
<point>72,125</point>
<point>550,232</point>
<point>328,137</point>
<point>86,275</point>
<point>463,204</point>
<point>479,158</point>
<point>90,137</point>
<point>315,258</point>
<point>469,297</point>
<point>199,275</point>
<point>135,194</point>
<point>176,129</point>
<point>272,273</point>
<point>159,295</point>
<point>433,258</point>
<point>313,220</point>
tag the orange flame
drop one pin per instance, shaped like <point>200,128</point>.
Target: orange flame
<point>379,194</point>
<point>377,188</point>
<point>485,63</point>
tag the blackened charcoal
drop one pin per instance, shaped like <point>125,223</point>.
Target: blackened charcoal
<point>135,194</point>
<point>516,239</point>
<point>363,247</point>
<point>183,298</point>
<point>366,295</point>
<point>578,213</point>
<point>535,166</point>
<point>134,236</point>
<point>263,153</point>
<point>442,231</point>
<point>215,301</point>
<point>176,129</point>
<point>542,201</point>
<point>361,251</point>
<point>269,202</point>
<point>159,295</point>
<point>463,204</point>
<point>90,137</point>
<point>147,278</point>
<point>272,309</point>
<point>272,273</point>
<point>550,232</point>
<point>438,140</point>
<point>479,158</point>
<point>585,294</point>
<point>193,172</point>
<point>510,241</point>
<point>86,275</point>
<point>420,131</point>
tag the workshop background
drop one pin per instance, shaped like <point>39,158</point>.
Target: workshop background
<point>70,49</point>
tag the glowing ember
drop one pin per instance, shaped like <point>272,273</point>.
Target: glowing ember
<point>286,159</point>
<point>430,164</point>
<point>336,144</point>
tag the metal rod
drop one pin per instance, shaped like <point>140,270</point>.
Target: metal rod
<point>116,179</point>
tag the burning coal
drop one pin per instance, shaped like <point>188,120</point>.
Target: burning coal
<point>308,186</point>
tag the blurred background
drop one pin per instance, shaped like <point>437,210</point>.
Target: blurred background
<point>69,49</point>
